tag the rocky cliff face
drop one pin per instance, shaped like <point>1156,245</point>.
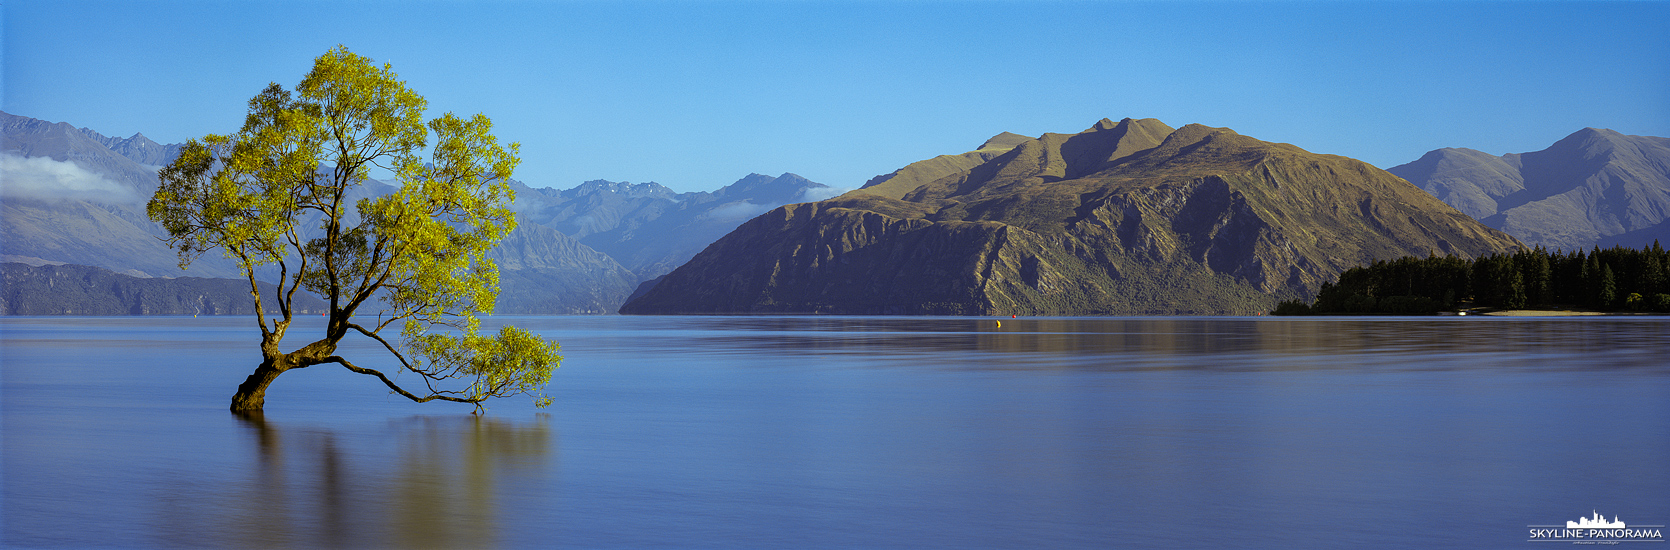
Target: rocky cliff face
<point>1594,187</point>
<point>1132,217</point>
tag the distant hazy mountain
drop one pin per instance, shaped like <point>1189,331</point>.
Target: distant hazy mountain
<point>84,290</point>
<point>73,196</point>
<point>544,271</point>
<point>1123,218</point>
<point>129,162</point>
<point>1595,187</point>
<point>139,148</point>
<point>67,197</point>
<point>651,229</point>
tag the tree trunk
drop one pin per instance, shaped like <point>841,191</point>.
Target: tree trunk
<point>252,394</point>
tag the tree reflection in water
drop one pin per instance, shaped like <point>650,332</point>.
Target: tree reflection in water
<point>422,482</point>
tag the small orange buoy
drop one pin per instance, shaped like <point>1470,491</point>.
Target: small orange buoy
<point>1011,316</point>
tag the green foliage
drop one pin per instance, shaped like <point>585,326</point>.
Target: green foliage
<point>1404,286</point>
<point>1291,307</point>
<point>1409,305</point>
<point>1527,278</point>
<point>1652,276</point>
<point>1498,281</point>
<point>280,191</point>
<point>1608,287</point>
<point>506,364</point>
<point>1635,302</point>
<point>1537,275</point>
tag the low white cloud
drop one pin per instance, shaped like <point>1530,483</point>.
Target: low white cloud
<point>736,211</point>
<point>812,194</point>
<point>46,179</point>
<point>586,224</point>
<point>528,202</point>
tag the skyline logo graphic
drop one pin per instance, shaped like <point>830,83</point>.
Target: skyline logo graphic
<point>1596,529</point>
<point>1597,522</point>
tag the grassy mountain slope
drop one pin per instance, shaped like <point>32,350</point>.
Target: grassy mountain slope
<point>1124,218</point>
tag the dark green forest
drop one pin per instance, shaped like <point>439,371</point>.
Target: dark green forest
<point>1614,279</point>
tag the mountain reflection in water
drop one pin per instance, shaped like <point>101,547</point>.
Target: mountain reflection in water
<point>1163,343</point>
<point>851,432</point>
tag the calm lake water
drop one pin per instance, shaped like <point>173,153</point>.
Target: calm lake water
<point>842,432</point>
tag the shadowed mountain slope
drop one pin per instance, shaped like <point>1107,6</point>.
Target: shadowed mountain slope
<point>1130,217</point>
<point>1594,187</point>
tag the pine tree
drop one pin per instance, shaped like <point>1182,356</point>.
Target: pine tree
<point>1514,295</point>
<point>1590,280</point>
<point>1538,275</point>
<point>1608,287</point>
<point>1652,275</point>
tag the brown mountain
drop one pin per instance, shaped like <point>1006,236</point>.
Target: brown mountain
<point>1132,217</point>
<point>1594,187</point>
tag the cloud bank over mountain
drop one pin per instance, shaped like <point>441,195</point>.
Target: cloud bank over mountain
<point>736,211</point>
<point>75,196</point>
<point>42,178</point>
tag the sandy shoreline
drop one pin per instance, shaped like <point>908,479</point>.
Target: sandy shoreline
<point>1540,313</point>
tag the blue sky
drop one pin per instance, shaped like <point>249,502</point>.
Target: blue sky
<point>697,94</point>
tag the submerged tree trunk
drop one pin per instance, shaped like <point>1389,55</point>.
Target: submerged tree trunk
<point>252,394</point>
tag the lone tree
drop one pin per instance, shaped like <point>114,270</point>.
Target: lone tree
<point>281,192</point>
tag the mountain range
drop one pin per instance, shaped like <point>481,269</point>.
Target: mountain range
<point>67,289</point>
<point>74,196</point>
<point>651,229</point>
<point>1595,187</point>
<point>1128,217</point>
<point>70,196</point>
<point>1125,217</point>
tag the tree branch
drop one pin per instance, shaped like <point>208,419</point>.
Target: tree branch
<point>367,287</point>
<point>255,294</point>
<point>284,300</point>
<point>301,272</point>
<point>397,388</point>
<point>386,344</point>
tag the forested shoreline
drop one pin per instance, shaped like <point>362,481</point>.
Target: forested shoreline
<point>1613,279</point>
<point>86,290</point>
